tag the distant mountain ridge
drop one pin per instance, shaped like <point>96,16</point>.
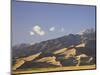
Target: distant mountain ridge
<point>53,44</point>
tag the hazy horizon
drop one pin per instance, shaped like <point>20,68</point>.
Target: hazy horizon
<point>35,22</point>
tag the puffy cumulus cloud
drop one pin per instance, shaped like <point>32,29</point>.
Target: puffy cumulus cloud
<point>42,33</point>
<point>37,30</point>
<point>52,29</point>
<point>32,33</point>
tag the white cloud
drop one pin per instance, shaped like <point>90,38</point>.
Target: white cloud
<point>32,33</point>
<point>37,30</point>
<point>41,33</point>
<point>52,29</point>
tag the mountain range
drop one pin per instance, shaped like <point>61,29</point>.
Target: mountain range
<point>68,50</point>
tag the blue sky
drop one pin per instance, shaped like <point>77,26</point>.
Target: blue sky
<point>35,22</point>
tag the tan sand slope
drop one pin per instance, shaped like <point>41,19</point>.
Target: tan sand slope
<point>34,70</point>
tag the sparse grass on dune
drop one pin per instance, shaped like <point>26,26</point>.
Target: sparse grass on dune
<point>68,68</point>
<point>21,61</point>
<point>60,51</point>
<point>51,60</point>
<point>80,45</point>
<point>31,57</point>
